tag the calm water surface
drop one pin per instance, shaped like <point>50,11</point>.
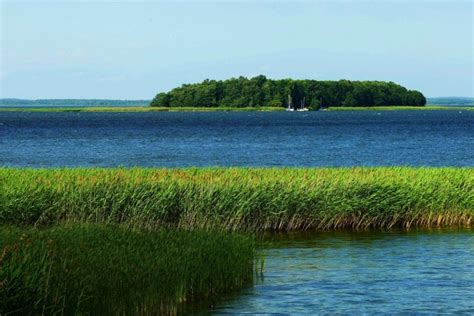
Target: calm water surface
<point>417,138</point>
<point>429,272</point>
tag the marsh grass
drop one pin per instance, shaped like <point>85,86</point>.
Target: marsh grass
<point>146,241</point>
<point>240,198</point>
<point>97,269</point>
<point>224,109</point>
<point>401,108</point>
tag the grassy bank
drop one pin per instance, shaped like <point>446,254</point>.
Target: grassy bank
<point>398,108</point>
<point>239,198</point>
<point>96,269</point>
<point>220,109</point>
<point>140,109</point>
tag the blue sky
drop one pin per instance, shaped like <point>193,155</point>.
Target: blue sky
<point>132,50</point>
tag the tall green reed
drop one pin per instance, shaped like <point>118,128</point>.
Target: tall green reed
<point>97,269</point>
<point>240,198</point>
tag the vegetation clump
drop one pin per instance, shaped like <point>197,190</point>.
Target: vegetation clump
<point>109,270</point>
<point>239,198</point>
<point>260,91</point>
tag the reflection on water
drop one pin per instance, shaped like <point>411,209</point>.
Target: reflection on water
<point>349,272</point>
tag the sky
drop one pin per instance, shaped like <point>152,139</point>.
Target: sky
<point>135,49</point>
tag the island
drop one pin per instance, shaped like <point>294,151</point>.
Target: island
<point>292,94</point>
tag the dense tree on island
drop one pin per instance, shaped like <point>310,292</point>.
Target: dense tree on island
<point>260,91</point>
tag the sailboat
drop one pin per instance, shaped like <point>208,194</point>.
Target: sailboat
<point>289,108</point>
<point>302,108</point>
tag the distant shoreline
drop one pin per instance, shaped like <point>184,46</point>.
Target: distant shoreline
<point>223,109</point>
<point>141,109</point>
<point>397,108</point>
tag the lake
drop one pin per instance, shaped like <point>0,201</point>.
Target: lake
<point>312,139</point>
<point>429,271</point>
<point>347,273</point>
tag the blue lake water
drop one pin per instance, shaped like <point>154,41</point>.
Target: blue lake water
<point>334,273</point>
<point>357,273</point>
<point>416,138</point>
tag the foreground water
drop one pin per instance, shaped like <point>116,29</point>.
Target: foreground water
<point>429,272</point>
<point>416,138</point>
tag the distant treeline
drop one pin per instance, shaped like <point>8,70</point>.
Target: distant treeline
<point>70,102</point>
<point>260,91</point>
<point>458,101</point>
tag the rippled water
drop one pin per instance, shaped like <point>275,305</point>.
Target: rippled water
<point>417,138</point>
<point>364,273</point>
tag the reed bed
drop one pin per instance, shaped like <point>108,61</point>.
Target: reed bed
<point>240,198</point>
<point>104,270</point>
